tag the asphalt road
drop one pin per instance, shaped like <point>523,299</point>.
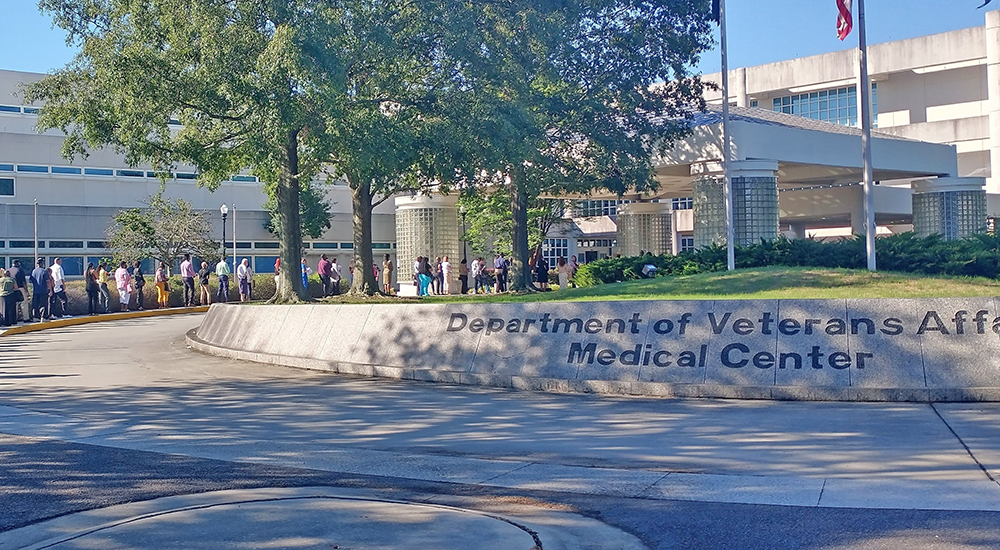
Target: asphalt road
<point>119,412</point>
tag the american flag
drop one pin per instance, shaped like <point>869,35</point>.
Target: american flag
<point>844,20</point>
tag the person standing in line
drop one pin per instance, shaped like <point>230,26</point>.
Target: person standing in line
<point>445,276</point>
<point>335,276</point>
<point>105,294</point>
<point>59,288</point>
<point>40,292</point>
<point>205,293</point>
<point>187,276</point>
<point>499,266</point>
<point>323,269</point>
<point>244,276</point>
<point>7,290</point>
<point>93,289</point>
<point>475,270</point>
<point>416,272</point>
<point>463,276</point>
<point>572,267</point>
<point>387,269</point>
<point>564,271</point>
<point>52,295</point>
<point>139,281</point>
<point>123,280</point>
<point>20,288</point>
<point>162,286</point>
<point>222,272</point>
<point>426,276</point>
<point>304,267</point>
<point>542,272</point>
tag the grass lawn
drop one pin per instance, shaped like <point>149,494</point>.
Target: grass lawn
<point>750,284</point>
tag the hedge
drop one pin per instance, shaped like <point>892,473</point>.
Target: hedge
<point>976,256</point>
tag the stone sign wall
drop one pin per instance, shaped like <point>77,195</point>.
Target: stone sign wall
<point>914,350</point>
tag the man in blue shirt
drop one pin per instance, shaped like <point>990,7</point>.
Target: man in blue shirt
<point>40,291</point>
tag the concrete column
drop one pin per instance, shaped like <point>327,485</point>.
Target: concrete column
<point>426,226</point>
<point>951,207</point>
<point>644,226</point>
<point>798,230</point>
<point>739,87</point>
<point>755,200</point>
<point>675,237</point>
<point>993,102</point>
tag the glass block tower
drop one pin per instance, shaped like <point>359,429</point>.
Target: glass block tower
<point>755,204</point>
<point>951,207</point>
<point>426,226</point>
<point>644,226</point>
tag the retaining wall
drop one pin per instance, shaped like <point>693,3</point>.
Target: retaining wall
<point>843,350</point>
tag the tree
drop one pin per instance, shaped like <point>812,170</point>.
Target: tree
<point>314,212</point>
<point>250,82</point>
<point>489,223</point>
<point>584,95</point>
<point>165,230</point>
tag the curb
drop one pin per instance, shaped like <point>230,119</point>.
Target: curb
<point>87,319</point>
<point>604,387</point>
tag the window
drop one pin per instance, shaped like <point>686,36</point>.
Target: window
<point>347,246</point>
<point>382,246</point>
<point>3,244</point>
<point>264,264</point>
<point>166,175</point>
<point>26,244</point>
<point>72,265</point>
<point>97,244</point>
<point>241,244</point>
<point>98,172</point>
<point>66,170</point>
<point>9,109</point>
<point>754,103</point>
<point>266,245</point>
<point>686,203</point>
<point>32,168</point>
<point>6,187</point>
<point>244,179</point>
<point>132,173</point>
<point>65,244</point>
<point>30,110</point>
<point>3,262</point>
<point>27,262</point>
<point>325,246</point>
<point>839,105</point>
<point>687,243</point>
<point>6,167</point>
<point>553,249</point>
<point>186,176</point>
<point>586,209</point>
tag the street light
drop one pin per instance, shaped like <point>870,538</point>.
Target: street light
<point>225,211</point>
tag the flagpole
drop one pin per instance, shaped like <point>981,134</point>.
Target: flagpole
<point>864,93</point>
<point>726,145</point>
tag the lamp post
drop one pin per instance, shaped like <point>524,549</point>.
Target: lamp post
<point>465,242</point>
<point>36,232</point>
<point>225,212</point>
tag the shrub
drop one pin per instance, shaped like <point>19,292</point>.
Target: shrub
<point>977,256</point>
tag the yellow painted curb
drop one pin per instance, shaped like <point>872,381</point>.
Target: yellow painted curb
<point>86,319</point>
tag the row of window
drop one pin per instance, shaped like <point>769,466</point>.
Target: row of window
<point>838,105</point>
<point>553,249</point>
<point>27,110</point>
<point>597,243</point>
<point>75,171</point>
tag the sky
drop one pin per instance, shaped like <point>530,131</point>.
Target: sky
<point>760,31</point>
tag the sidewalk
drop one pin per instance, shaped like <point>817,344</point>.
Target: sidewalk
<point>69,321</point>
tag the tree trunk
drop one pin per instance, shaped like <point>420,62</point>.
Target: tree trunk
<point>290,287</point>
<point>364,278</point>
<point>520,271</point>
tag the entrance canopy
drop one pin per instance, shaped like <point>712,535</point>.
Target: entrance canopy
<point>810,153</point>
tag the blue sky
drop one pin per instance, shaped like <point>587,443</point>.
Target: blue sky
<point>760,31</point>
